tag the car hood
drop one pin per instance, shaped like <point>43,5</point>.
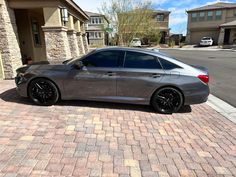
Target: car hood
<point>38,67</point>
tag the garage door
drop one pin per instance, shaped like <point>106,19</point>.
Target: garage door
<point>1,68</point>
<point>197,35</point>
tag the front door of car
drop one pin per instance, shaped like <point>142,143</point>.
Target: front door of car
<point>139,77</point>
<point>96,80</point>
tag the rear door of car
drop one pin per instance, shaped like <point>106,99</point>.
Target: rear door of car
<point>139,76</point>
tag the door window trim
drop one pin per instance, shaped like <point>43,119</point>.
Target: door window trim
<point>117,63</point>
<point>157,60</point>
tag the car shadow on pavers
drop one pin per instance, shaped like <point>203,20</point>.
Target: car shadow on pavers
<point>12,96</point>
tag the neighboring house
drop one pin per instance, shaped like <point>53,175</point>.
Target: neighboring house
<point>160,21</point>
<point>96,29</point>
<point>216,20</point>
<point>39,30</point>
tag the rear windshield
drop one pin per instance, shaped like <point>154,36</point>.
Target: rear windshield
<point>206,38</point>
<point>136,40</point>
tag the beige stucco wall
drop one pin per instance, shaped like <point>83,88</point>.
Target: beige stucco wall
<point>232,36</point>
<point>52,16</point>
<point>24,19</point>
<point>230,15</point>
<point>99,42</point>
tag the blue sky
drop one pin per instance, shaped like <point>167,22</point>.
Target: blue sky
<point>178,16</point>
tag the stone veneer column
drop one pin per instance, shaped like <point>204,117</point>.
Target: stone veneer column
<point>9,42</point>
<point>73,43</point>
<point>80,43</point>
<point>57,44</point>
<point>221,37</point>
<point>85,42</point>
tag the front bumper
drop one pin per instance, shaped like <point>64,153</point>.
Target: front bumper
<point>21,86</point>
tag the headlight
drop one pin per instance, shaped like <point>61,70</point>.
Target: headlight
<point>19,79</point>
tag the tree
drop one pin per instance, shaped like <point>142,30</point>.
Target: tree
<point>130,18</point>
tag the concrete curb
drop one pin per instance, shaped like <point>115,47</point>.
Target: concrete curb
<point>199,49</point>
<point>222,107</point>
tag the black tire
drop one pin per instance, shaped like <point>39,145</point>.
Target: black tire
<point>43,92</point>
<point>167,100</point>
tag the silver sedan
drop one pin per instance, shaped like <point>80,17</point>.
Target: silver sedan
<point>124,75</point>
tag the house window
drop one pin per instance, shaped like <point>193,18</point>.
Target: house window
<point>95,35</point>
<point>235,12</point>
<point>202,16</point>
<point>210,15</point>
<point>218,14</point>
<point>194,17</point>
<point>96,20</point>
<point>36,33</point>
<point>160,18</point>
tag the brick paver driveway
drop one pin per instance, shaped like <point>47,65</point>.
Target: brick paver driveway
<point>76,138</point>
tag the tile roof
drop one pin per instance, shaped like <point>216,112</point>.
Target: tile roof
<point>233,23</point>
<point>219,5</point>
<point>93,14</point>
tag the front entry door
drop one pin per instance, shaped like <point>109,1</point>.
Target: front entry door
<point>97,78</point>
<point>227,35</point>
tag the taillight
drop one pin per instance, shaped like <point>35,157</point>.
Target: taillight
<point>204,78</point>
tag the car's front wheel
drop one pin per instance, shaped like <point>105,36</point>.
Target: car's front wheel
<point>43,92</point>
<point>167,100</point>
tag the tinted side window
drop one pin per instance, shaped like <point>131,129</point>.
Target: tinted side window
<point>102,59</point>
<point>141,60</point>
<point>168,65</point>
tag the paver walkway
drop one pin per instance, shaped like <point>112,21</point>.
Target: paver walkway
<point>78,138</point>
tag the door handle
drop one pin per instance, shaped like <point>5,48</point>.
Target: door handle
<point>110,73</point>
<point>156,75</point>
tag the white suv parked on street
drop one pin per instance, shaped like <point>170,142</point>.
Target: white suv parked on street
<point>206,41</point>
<point>136,42</point>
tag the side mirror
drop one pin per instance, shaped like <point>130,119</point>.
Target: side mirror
<point>79,65</point>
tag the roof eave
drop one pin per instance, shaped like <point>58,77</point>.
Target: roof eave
<point>75,6</point>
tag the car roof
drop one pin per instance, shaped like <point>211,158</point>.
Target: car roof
<point>128,49</point>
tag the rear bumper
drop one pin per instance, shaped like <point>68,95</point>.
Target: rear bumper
<point>197,97</point>
<point>205,44</point>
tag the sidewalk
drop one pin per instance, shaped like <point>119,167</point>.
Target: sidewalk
<point>192,47</point>
<point>80,138</point>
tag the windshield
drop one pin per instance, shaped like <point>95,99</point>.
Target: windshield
<point>136,40</point>
<point>67,62</point>
<point>206,38</point>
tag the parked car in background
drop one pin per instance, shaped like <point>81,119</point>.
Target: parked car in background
<point>124,75</point>
<point>136,42</point>
<point>206,41</point>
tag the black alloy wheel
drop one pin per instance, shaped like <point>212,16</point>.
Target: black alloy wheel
<point>43,92</point>
<point>167,100</point>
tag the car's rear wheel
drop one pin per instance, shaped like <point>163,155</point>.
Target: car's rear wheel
<point>167,100</point>
<point>43,92</point>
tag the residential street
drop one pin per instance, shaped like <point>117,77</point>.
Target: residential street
<point>78,138</point>
<point>222,68</point>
